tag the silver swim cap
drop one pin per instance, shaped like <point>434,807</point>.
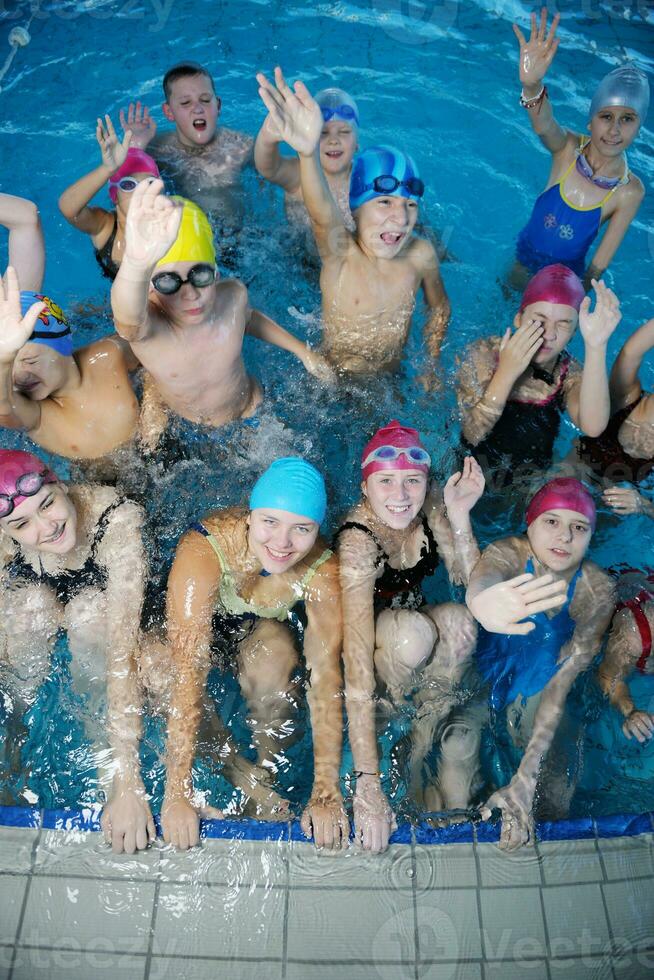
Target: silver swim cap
<point>627,86</point>
<point>336,103</point>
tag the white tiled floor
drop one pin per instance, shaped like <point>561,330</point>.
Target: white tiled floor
<point>255,910</point>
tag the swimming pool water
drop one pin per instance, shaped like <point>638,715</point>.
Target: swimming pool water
<point>439,80</point>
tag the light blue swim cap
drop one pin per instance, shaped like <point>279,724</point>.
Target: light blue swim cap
<point>378,162</point>
<point>627,86</point>
<point>51,327</point>
<point>294,485</point>
<point>335,103</point>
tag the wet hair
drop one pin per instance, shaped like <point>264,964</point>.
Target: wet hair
<point>185,69</point>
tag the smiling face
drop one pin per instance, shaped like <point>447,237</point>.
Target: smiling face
<point>338,144</point>
<point>39,371</point>
<point>384,224</point>
<point>559,539</point>
<point>559,323</point>
<point>190,304</point>
<point>280,539</point>
<point>194,108</point>
<point>396,496</point>
<point>47,521</point>
<point>613,130</point>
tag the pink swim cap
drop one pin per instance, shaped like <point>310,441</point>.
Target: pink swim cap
<point>14,463</point>
<point>136,162</point>
<point>564,493</point>
<point>554,284</point>
<point>399,437</point>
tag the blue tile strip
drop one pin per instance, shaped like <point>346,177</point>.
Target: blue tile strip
<point>584,828</point>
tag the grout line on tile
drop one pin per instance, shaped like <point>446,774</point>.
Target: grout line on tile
<point>546,931</point>
<point>287,898</point>
<point>605,876</point>
<point>482,938</point>
<point>414,882</point>
<point>609,924</point>
<point>153,923</point>
<point>21,916</point>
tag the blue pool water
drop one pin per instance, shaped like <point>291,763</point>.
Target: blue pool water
<point>439,80</point>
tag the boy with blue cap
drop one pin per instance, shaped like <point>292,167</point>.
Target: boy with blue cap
<point>590,182</point>
<point>369,278</point>
<point>79,404</point>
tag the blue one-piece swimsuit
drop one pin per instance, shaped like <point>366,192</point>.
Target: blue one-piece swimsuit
<point>522,665</point>
<point>558,231</point>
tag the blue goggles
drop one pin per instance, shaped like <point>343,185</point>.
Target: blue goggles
<point>344,112</point>
<point>387,184</point>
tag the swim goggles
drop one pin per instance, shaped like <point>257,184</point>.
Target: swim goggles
<point>199,275</point>
<point>344,112</point>
<point>385,454</point>
<point>27,485</point>
<point>386,184</point>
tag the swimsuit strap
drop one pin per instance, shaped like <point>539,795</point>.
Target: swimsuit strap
<point>320,560</point>
<point>103,523</point>
<point>635,605</point>
<point>354,525</point>
<point>565,176</point>
<point>201,529</point>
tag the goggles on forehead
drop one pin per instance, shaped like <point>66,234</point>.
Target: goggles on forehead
<point>27,485</point>
<point>386,454</point>
<point>344,112</point>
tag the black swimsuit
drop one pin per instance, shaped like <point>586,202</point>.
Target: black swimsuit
<point>400,588</point>
<point>605,455</point>
<point>103,255</point>
<point>66,585</point>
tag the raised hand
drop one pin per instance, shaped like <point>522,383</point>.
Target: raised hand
<point>597,327</point>
<point>517,349</point>
<point>537,53</point>
<point>326,821</point>
<point>463,489</point>
<point>152,224</point>
<point>501,607</point>
<point>294,117</point>
<point>15,329</point>
<point>139,123</point>
<point>113,151</point>
<point>517,819</point>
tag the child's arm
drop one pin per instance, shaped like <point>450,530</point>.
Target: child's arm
<point>263,328</point>
<point>296,118</point>
<point>631,198</point>
<point>588,402</point>
<point>622,653</point>
<point>26,248</point>
<point>480,413</point>
<point>74,201</point>
<point>536,56</point>
<point>283,171</point>
<point>139,123</point>
<point>324,817</point>
<point>152,225</point>
<point>460,494</point>
<point>16,411</point>
<point>625,383</point>
<point>627,500</point>
<point>435,296</point>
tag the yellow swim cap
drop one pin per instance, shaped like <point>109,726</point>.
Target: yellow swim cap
<point>194,242</point>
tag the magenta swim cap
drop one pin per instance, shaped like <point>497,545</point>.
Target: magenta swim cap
<point>403,439</point>
<point>15,463</point>
<point>564,493</point>
<point>554,284</point>
<point>136,162</point>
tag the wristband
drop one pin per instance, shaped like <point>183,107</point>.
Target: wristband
<point>359,772</point>
<point>536,101</point>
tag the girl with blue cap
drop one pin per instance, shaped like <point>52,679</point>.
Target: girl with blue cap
<point>370,276</point>
<point>339,141</point>
<point>590,182</point>
<point>233,587</point>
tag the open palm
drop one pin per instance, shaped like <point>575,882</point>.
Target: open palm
<point>597,327</point>
<point>537,53</point>
<point>152,225</point>
<point>15,329</point>
<point>114,153</point>
<point>293,116</point>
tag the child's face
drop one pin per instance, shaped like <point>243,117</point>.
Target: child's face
<point>559,323</point>
<point>338,144</point>
<point>190,305</point>
<point>279,538</point>
<point>47,521</point>
<point>38,371</point>
<point>396,496</point>
<point>559,539</point>
<point>194,108</point>
<point>384,225</point>
<point>613,130</point>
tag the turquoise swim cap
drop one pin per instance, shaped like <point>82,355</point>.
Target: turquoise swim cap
<point>294,485</point>
<point>383,171</point>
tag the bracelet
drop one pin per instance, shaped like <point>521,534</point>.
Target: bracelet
<point>536,101</point>
<point>359,772</point>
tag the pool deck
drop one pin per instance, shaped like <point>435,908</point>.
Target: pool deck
<point>453,911</point>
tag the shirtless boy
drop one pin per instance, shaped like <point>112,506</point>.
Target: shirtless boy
<point>184,325</point>
<point>369,278</point>
<point>79,405</point>
<point>204,160</point>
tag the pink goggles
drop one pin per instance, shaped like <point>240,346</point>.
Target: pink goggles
<point>27,485</point>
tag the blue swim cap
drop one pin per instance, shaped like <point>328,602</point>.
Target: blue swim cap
<point>383,161</point>
<point>294,485</point>
<point>51,327</point>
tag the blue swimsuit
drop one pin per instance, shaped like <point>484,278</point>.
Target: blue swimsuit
<point>559,231</point>
<point>516,665</point>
